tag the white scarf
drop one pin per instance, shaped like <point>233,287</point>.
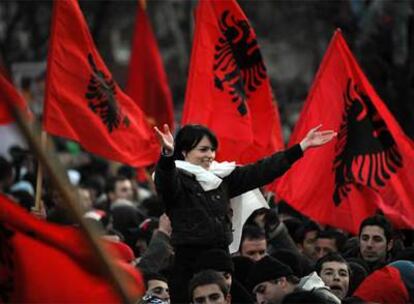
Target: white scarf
<point>243,205</point>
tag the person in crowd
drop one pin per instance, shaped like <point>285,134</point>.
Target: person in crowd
<point>253,243</point>
<point>196,191</point>
<point>271,281</point>
<point>117,187</point>
<point>158,254</point>
<point>156,286</point>
<point>305,239</point>
<point>375,242</point>
<point>209,287</point>
<point>328,241</point>
<point>335,273</point>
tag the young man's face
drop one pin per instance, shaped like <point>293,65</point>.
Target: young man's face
<point>209,294</point>
<point>373,244</point>
<point>336,276</point>
<point>324,246</point>
<point>271,292</point>
<point>254,249</point>
<point>308,245</point>
<point>123,189</point>
<point>159,289</point>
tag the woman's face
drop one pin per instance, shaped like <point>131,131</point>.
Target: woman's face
<point>202,154</point>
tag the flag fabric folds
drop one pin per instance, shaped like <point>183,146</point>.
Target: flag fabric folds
<point>9,96</point>
<point>83,102</point>
<point>368,167</point>
<point>44,263</point>
<point>147,82</point>
<point>228,89</point>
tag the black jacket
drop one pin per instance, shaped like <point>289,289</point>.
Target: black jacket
<point>203,218</point>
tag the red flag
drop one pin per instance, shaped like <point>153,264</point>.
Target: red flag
<point>43,263</point>
<point>228,88</point>
<point>371,163</point>
<point>9,96</point>
<point>147,82</point>
<point>83,103</point>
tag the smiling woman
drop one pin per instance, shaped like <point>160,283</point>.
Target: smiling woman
<point>196,191</point>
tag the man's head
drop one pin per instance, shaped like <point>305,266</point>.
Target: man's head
<point>157,286</point>
<point>271,280</point>
<point>335,273</point>
<point>375,239</point>
<point>305,239</point>
<point>209,287</point>
<point>328,241</point>
<point>119,187</point>
<point>253,243</point>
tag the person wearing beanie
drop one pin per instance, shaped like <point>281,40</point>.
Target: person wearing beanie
<point>271,280</point>
<point>220,260</point>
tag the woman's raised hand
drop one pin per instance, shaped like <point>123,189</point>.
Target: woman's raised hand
<point>166,139</point>
<point>316,138</point>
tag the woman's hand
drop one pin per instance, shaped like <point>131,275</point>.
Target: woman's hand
<point>166,139</point>
<point>316,138</point>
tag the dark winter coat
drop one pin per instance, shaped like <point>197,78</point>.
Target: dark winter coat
<point>201,217</point>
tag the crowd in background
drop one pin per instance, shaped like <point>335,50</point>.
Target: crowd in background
<point>280,250</point>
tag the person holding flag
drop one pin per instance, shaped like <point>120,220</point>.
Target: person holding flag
<point>197,191</point>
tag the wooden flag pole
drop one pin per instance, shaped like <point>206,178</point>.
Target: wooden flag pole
<point>39,176</point>
<point>59,181</point>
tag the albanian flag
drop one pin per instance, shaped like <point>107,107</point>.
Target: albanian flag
<point>228,88</point>
<point>9,97</point>
<point>47,263</point>
<point>147,82</point>
<point>368,167</point>
<point>83,102</point>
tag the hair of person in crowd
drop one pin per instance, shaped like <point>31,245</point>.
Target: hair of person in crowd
<point>189,136</point>
<point>327,241</point>
<point>156,285</point>
<point>380,221</point>
<point>253,243</point>
<point>206,278</point>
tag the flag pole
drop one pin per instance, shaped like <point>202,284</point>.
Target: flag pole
<point>59,181</point>
<point>39,175</point>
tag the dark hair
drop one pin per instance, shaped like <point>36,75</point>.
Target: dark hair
<point>153,276</point>
<point>110,185</point>
<point>189,136</point>
<point>207,277</point>
<point>333,234</point>
<point>331,257</point>
<point>380,221</point>
<point>300,234</point>
<point>252,233</point>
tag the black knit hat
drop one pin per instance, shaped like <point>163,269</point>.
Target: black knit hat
<point>215,259</point>
<point>268,269</point>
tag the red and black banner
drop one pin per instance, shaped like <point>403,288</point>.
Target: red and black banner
<point>228,89</point>
<point>368,167</point>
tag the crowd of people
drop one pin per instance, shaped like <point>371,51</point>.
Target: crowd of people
<point>178,229</point>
